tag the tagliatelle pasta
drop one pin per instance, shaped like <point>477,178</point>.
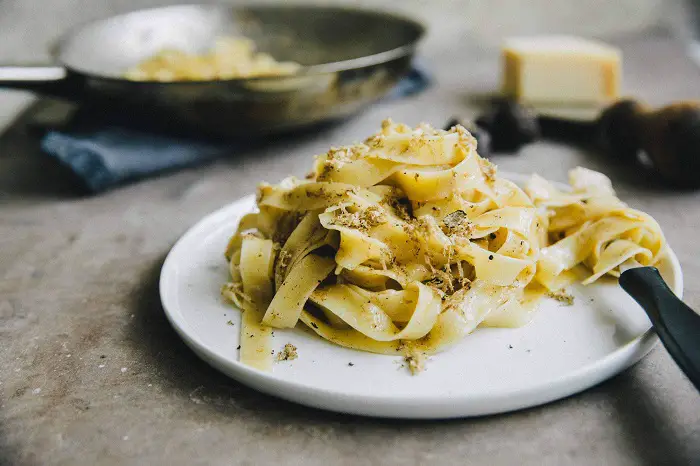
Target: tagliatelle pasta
<point>229,58</point>
<point>409,241</point>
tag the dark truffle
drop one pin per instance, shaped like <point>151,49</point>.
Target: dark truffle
<point>618,133</point>
<point>510,125</point>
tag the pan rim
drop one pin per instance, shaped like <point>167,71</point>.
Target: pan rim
<point>306,71</point>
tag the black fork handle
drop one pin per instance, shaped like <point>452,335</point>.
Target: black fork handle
<point>677,325</point>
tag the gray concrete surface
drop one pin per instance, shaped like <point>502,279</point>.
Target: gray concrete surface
<point>91,373</point>
<point>26,26</point>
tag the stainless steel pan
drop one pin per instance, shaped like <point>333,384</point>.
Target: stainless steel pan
<point>350,58</point>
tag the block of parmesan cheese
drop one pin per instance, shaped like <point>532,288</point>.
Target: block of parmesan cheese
<point>560,70</point>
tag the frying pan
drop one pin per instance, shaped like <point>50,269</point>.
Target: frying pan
<point>350,57</point>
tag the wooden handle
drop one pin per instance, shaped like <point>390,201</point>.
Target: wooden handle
<point>670,137</point>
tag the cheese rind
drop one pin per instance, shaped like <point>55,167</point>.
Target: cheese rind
<point>560,70</point>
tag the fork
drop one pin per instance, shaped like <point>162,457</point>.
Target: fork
<point>676,324</point>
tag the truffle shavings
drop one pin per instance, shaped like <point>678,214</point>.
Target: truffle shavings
<point>234,292</point>
<point>444,283</point>
<point>562,296</point>
<point>336,157</point>
<point>489,169</point>
<point>283,260</point>
<point>457,223</point>
<point>401,210</point>
<point>288,353</point>
<point>344,154</point>
<point>376,141</point>
<point>362,220</point>
<point>465,137</point>
<point>415,360</point>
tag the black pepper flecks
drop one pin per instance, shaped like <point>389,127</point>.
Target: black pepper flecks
<point>491,257</point>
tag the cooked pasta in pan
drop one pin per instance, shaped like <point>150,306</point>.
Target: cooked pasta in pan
<point>230,58</point>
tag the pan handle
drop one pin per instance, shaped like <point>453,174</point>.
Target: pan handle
<point>49,80</point>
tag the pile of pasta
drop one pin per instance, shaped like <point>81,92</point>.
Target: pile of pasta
<point>231,57</point>
<point>405,243</point>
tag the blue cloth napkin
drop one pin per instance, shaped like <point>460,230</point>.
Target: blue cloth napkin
<point>107,150</point>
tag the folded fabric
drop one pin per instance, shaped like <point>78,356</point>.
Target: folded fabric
<point>112,149</point>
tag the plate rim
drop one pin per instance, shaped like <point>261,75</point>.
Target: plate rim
<point>408,406</point>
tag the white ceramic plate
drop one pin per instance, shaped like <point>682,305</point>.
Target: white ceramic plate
<point>564,350</point>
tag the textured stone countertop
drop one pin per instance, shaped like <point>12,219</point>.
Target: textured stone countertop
<point>91,372</point>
